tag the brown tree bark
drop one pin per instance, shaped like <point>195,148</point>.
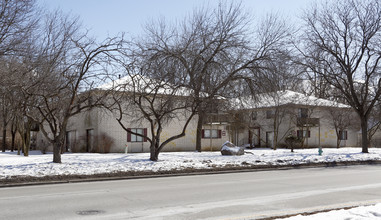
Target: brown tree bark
<point>200,122</point>
<point>4,139</point>
<point>364,134</point>
<point>13,133</point>
<point>56,152</point>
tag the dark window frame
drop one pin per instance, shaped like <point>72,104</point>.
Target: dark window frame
<point>302,112</point>
<point>136,138</point>
<point>343,135</point>
<point>270,114</point>
<point>303,133</point>
<point>219,134</point>
<point>253,115</point>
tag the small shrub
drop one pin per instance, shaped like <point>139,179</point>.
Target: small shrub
<point>105,143</point>
<point>292,141</point>
<point>101,144</point>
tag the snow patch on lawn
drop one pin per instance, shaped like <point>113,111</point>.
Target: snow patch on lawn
<point>38,165</point>
<point>359,213</point>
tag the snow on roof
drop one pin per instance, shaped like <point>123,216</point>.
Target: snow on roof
<point>142,84</point>
<point>285,97</point>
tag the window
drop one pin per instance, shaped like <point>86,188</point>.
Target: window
<point>303,113</point>
<point>253,115</point>
<point>303,134</point>
<point>343,135</point>
<point>212,108</point>
<point>136,138</point>
<point>270,114</point>
<point>211,133</point>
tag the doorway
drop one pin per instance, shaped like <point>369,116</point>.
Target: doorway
<point>254,137</point>
<point>71,138</point>
<point>270,139</point>
<point>89,140</point>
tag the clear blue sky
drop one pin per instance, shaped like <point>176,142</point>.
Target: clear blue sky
<point>109,17</point>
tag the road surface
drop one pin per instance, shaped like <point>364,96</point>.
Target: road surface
<point>247,195</point>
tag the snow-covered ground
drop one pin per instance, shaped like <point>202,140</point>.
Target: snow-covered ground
<point>359,213</point>
<point>38,165</point>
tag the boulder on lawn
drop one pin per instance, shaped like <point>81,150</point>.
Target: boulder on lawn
<point>230,149</point>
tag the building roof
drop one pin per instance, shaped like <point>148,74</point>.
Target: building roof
<point>281,98</point>
<point>142,84</point>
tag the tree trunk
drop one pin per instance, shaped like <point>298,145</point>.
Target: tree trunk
<point>200,122</point>
<point>13,132</point>
<point>275,142</point>
<point>59,142</point>
<point>4,138</point>
<point>364,134</point>
<point>154,153</point>
<point>338,143</point>
<point>18,149</point>
<point>13,141</point>
<point>24,147</point>
<point>23,144</point>
<point>26,143</point>
<point>56,152</point>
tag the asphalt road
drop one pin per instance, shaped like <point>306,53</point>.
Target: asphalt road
<point>247,195</point>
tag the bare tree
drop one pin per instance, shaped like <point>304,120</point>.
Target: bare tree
<point>17,21</point>
<point>342,45</point>
<point>13,102</point>
<point>281,114</point>
<point>152,92</point>
<point>214,47</point>
<point>341,120</point>
<point>6,102</point>
<point>159,103</point>
<point>13,133</point>
<point>374,124</point>
<point>66,66</point>
<point>277,76</point>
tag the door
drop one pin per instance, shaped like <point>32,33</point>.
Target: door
<point>70,140</point>
<point>89,140</point>
<point>270,139</point>
<point>254,137</point>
